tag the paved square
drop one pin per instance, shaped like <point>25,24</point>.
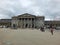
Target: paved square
<point>28,37</point>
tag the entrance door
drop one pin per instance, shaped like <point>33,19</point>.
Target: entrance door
<point>26,25</point>
<point>32,25</point>
<point>14,26</point>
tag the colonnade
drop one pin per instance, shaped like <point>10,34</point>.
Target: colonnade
<point>27,22</point>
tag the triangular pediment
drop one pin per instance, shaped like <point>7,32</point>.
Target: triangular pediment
<point>26,15</point>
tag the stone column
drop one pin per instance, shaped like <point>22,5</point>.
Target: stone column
<point>24,22</point>
<point>21,22</point>
<point>17,22</point>
<point>28,22</point>
<point>34,22</point>
<point>31,22</point>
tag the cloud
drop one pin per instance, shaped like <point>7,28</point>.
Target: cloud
<point>48,8</point>
<point>36,10</point>
<point>26,3</point>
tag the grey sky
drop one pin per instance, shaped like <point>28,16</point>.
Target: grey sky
<point>48,8</point>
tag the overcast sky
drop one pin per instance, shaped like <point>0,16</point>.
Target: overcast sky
<point>48,8</point>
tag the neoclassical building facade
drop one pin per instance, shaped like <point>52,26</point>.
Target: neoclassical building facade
<point>27,21</point>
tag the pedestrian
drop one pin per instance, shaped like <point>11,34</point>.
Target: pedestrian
<point>42,29</point>
<point>52,31</point>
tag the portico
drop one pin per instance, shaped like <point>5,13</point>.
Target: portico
<point>27,21</point>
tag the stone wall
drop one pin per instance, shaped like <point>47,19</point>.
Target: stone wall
<point>39,22</point>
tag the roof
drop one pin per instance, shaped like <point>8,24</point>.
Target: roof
<point>39,16</point>
<point>26,14</point>
<point>52,22</point>
<point>5,20</point>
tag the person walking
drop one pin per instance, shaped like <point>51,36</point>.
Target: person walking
<point>42,29</point>
<point>52,31</point>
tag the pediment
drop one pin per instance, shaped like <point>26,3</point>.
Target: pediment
<point>26,15</point>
